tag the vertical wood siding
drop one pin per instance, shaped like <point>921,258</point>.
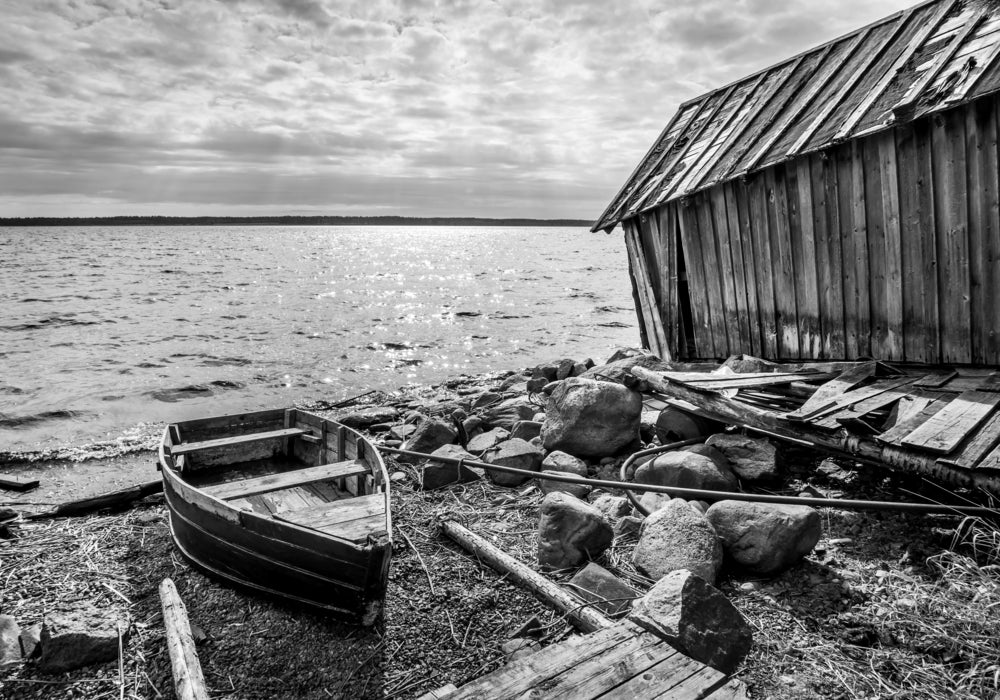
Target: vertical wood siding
<point>886,246</point>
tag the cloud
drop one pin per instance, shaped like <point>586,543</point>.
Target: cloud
<point>472,107</point>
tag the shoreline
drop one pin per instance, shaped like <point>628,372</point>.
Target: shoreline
<point>447,617</point>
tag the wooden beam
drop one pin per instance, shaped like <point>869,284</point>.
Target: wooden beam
<point>644,289</point>
<point>913,95</point>
<point>244,488</point>
<point>915,44</point>
<point>17,483</point>
<point>189,682</point>
<point>578,613</point>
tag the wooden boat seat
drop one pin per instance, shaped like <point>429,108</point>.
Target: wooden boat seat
<point>187,448</point>
<point>255,486</point>
<point>350,519</point>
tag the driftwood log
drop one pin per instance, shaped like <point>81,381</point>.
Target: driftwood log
<point>114,499</point>
<point>717,407</point>
<point>189,682</point>
<point>577,612</point>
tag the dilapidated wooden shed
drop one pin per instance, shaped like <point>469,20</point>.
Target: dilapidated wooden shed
<point>840,204</point>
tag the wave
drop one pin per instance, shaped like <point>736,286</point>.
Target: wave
<point>8,421</point>
<point>53,322</point>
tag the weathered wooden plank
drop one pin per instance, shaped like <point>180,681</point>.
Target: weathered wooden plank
<point>665,680</point>
<point>750,269</point>
<point>283,480</point>
<point>895,434</point>
<point>738,255</point>
<point>984,230</point>
<point>759,194</point>
<point>875,227</point>
<point>863,408</point>
<point>668,276</point>
<point>610,669</point>
<point>804,256</point>
<point>713,279</point>
<point>845,382</point>
<point>859,233</point>
<point>951,219</point>
<point>326,515</point>
<point>934,77</point>
<point>515,679</point>
<point>814,168</point>
<point>980,443</point>
<point>991,462</point>
<point>783,265</point>
<point>189,447</point>
<point>855,396</point>
<point>691,240</point>
<point>949,426</point>
<point>893,254</point>
<point>845,219</point>
<point>735,313</point>
<point>649,312</point>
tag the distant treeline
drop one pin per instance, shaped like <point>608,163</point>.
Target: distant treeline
<point>282,221</point>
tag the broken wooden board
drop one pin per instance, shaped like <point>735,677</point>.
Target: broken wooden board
<point>623,661</point>
<point>845,400</point>
<point>979,445</point>
<point>947,428</point>
<point>834,388</point>
<point>701,381</point>
<point>914,419</point>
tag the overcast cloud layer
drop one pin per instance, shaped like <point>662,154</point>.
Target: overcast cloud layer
<point>466,108</point>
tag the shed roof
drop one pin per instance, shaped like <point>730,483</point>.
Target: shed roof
<point>925,59</point>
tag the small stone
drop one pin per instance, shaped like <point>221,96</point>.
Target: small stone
<point>434,475</point>
<point>613,507</point>
<point>79,637</point>
<point>628,526</point>
<point>487,398</point>
<point>506,413</point>
<point>10,641</point>
<point>512,453</point>
<point>526,430</point>
<point>594,583</point>
<point>369,416</point>
<point>578,369</point>
<point>570,532</point>
<point>560,462</point>
<point>30,641</point>
<point>397,477</point>
<point>472,424</point>
<point>693,616</point>
<point>514,383</point>
<point>652,502</point>
<point>486,441</point>
<point>565,369</point>
<point>678,537</point>
<point>753,459</point>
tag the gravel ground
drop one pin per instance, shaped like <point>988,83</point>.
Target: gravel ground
<point>839,625</point>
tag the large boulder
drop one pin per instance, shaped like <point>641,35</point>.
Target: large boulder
<point>678,537</point>
<point>687,470</point>
<point>570,532</point>
<point>508,412</point>
<point>617,370</point>
<point>607,592</point>
<point>752,459</point>
<point>512,453</point>
<point>588,418</point>
<point>696,618</point>
<point>434,475</point>
<point>79,637</point>
<point>765,538</point>
<point>561,462</point>
<point>430,434</point>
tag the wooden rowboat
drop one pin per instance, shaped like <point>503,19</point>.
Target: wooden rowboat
<point>284,503</point>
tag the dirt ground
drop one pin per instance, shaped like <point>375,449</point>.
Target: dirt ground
<point>876,611</point>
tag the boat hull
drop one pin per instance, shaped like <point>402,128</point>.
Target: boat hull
<point>265,555</point>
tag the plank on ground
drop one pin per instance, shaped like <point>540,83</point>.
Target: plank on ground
<point>863,408</point>
<point>979,444</point>
<point>519,677</point>
<point>282,480</point>
<point>665,679</point>
<point>17,483</point>
<point>949,426</point>
<point>845,382</point>
<point>904,427</point>
<point>853,397</point>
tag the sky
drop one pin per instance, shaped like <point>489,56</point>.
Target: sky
<point>527,108</point>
